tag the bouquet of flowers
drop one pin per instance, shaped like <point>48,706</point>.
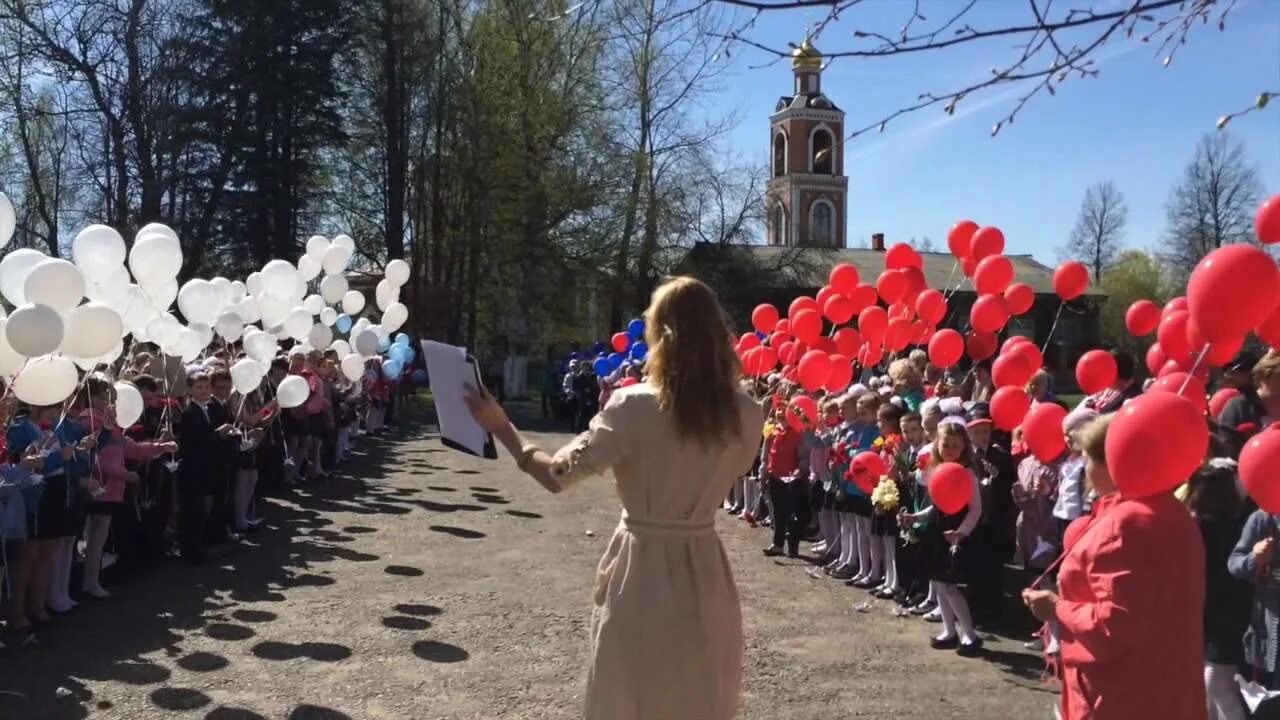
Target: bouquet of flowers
<point>885,495</point>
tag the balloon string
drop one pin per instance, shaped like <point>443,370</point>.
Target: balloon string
<point>1194,367</point>
<point>1054,328</point>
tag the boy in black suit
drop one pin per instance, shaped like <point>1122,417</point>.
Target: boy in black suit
<point>202,431</point>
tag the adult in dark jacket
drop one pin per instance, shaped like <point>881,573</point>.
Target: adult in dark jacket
<point>1256,408</point>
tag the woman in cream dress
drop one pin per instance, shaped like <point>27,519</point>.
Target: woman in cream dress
<point>666,627</point>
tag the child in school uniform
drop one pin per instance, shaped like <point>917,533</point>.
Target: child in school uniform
<point>203,429</point>
<point>828,546</point>
<point>852,504</point>
<point>884,521</point>
<point>788,489</point>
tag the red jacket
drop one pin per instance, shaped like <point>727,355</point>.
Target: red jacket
<point>1131,607</point>
<point>784,453</point>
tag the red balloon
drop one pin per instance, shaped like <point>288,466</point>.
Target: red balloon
<point>1095,371</point>
<point>866,469</point>
<point>969,266</point>
<point>814,369</point>
<point>1268,331</point>
<point>807,325</point>
<point>764,318</point>
<point>805,410</point>
<point>891,286</point>
<point>901,310</point>
<point>950,488</point>
<point>1233,289</point>
<point>777,338</point>
<point>1258,462</point>
<point>921,332</point>
<point>787,352</point>
<point>897,335</point>
<point>847,341</point>
<point>1011,370</point>
<point>1266,224</point>
<point>864,296</point>
<point>1071,279</point>
<point>783,326</point>
<point>622,341</point>
<point>1154,444</point>
<point>931,306</point>
<point>1176,304</point>
<point>1030,352</point>
<point>986,242</point>
<point>826,345</point>
<point>945,348</point>
<point>902,255</point>
<point>804,302</point>
<point>841,374</point>
<point>1042,431</point>
<point>989,313</point>
<point>1142,317</point>
<point>838,309</point>
<point>993,274</point>
<point>1020,298</point>
<point>1013,341</point>
<point>870,355</point>
<point>747,342</point>
<point>1172,335</point>
<point>1156,358</point>
<point>1169,367</point>
<point>1187,386</point>
<point>844,278</point>
<point>915,279</point>
<point>1220,400</point>
<point>960,238</point>
<point>873,322</point>
<point>1217,353</point>
<point>824,293</point>
<point>766,360</point>
<point>980,345</point>
<point>1009,405</point>
<point>628,382</point>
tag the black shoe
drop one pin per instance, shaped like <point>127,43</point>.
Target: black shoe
<point>772,551</point>
<point>867,584</point>
<point>949,643</point>
<point>884,594</point>
<point>919,609</point>
<point>970,650</point>
<point>793,552</point>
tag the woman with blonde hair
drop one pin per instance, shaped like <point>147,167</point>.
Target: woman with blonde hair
<point>666,628</point>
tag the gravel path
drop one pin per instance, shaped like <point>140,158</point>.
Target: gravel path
<point>425,584</point>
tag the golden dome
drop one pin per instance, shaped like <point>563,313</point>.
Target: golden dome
<point>806,56</point>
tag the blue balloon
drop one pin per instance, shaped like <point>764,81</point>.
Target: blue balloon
<point>392,369</point>
<point>401,353</point>
<point>639,351</point>
<point>420,377</point>
<point>598,349</point>
<point>564,368</point>
<point>635,329</point>
<point>602,367</point>
<point>384,345</point>
<point>615,360</point>
<point>344,323</point>
<point>402,340</point>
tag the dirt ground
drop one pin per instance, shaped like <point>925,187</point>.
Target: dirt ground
<point>422,583</point>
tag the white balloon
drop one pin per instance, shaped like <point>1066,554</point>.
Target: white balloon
<point>328,316</point>
<point>394,317</point>
<point>319,336</point>
<point>352,366</point>
<point>237,291</point>
<point>298,323</point>
<point>91,331</point>
<point>353,302</point>
<point>34,330</point>
<point>345,241</point>
<point>253,283</point>
<point>280,278</point>
<point>316,247</point>
<point>190,344</point>
<point>98,250</point>
<point>367,343</point>
<point>163,329</point>
<point>332,288</point>
<point>300,291</point>
<point>223,286</point>
<point>273,310</point>
<point>335,259</point>
<point>247,374</point>
<point>230,326</point>
<point>46,380</point>
<point>386,294</point>
<point>11,361</point>
<point>248,310</point>
<point>157,229</point>
<point>342,347</point>
<point>128,404</point>
<point>8,219</point>
<point>313,303</point>
<point>162,295</point>
<point>155,258</point>
<point>260,346</point>
<point>293,392</point>
<point>397,272</point>
<point>205,332</point>
<point>361,325</point>
<point>110,288</point>
<point>198,300</point>
<point>309,267</point>
<point>14,269</point>
<point>105,359</point>
<point>299,349</point>
<point>56,283</point>
<point>381,332</point>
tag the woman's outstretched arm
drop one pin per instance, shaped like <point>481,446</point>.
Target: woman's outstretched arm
<point>529,458</point>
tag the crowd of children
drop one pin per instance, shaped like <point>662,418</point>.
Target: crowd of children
<point>183,478</point>
<point>855,479</point>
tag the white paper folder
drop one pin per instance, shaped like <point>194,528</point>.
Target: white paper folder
<point>450,370</point>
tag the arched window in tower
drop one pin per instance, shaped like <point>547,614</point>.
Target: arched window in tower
<point>822,224</point>
<point>777,226</point>
<point>779,155</point>
<point>823,160</point>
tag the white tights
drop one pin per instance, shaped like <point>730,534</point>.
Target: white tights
<point>862,537</point>
<point>96,528</point>
<point>58,594</point>
<point>751,493</point>
<point>955,611</point>
<point>246,481</point>
<point>829,528</point>
<point>848,541</point>
<point>889,552</point>
<point>1222,692</point>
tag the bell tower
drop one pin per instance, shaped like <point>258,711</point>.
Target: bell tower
<point>805,200</point>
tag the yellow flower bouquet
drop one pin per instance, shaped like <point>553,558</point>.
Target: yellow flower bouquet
<point>885,495</point>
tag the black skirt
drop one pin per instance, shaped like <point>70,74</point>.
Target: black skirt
<point>884,524</point>
<point>317,425</point>
<point>60,512</point>
<point>945,562</point>
<point>293,427</point>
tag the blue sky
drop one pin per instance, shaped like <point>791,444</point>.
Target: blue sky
<point>1136,124</point>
